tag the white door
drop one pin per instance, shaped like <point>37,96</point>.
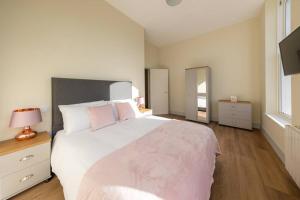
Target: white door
<point>159,91</point>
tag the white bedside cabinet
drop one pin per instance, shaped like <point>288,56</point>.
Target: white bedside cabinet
<point>237,114</point>
<point>23,164</point>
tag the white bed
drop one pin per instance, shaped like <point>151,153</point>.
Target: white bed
<point>78,156</point>
<point>75,153</point>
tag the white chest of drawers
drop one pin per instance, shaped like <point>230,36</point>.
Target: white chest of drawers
<point>235,114</point>
<point>23,164</point>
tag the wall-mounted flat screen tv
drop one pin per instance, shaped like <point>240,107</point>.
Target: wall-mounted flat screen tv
<point>290,53</point>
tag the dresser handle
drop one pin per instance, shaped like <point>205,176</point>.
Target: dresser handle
<point>26,158</point>
<point>26,178</point>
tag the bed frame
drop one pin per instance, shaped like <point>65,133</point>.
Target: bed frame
<point>72,91</point>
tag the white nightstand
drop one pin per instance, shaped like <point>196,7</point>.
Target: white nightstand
<point>145,111</point>
<point>23,164</point>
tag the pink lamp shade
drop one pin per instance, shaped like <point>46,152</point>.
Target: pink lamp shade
<point>140,101</point>
<point>25,118</point>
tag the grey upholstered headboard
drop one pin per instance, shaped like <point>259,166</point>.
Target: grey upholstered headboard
<point>73,91</point>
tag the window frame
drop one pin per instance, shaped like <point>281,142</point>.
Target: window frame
<point>281,33</point>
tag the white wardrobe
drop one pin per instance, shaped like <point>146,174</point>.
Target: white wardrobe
<point>197,97</point>
<point>157,90</point>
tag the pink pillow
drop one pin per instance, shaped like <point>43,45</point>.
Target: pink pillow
<point>125,111</point>
<point>101,116</point>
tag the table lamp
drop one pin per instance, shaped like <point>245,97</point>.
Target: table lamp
<point>140,102</point>
<point>24,118</point>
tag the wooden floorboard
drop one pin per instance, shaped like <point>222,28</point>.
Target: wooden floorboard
<point>248,169</point>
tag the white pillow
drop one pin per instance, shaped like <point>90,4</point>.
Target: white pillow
<point>75,116</point>
<point>132,104</point>
<point>93,103</point>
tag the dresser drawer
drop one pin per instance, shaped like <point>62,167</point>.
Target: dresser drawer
<point>226,121</point>
<point>22,159</point>
<point>245,115</point>
<point>226,107</point>
<point>21,180</point>
<point>242,107</point>
<point>235,114</point>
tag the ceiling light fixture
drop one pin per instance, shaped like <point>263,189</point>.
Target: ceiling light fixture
<point>173,2</point>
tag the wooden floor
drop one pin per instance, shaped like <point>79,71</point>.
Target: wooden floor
<point>248,169</point>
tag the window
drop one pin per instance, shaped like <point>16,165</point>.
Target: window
<point>284,28</point>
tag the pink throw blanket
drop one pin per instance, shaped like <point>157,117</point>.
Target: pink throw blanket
<point>176,161</point>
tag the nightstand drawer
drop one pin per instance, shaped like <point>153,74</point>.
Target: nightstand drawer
<point>21,180</point>
<point>22,159</point>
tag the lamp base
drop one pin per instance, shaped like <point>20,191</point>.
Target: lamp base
<point>142,106</point>
<point>27,133</point>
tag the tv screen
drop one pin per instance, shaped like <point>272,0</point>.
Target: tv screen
<point>290,53</point>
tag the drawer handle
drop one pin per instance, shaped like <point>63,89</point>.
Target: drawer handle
<point>26,158</point>
<point>26,178</point>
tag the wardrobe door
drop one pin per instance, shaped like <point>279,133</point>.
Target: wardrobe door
<point>159,91</point>
<point>203,94</point>
<point>191,94</point>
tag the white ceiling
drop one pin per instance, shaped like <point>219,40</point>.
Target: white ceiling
<point>166,25</point>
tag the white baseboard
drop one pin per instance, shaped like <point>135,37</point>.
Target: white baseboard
<point>256,125</point>
<point>177,113</point>
<point>277,150</point>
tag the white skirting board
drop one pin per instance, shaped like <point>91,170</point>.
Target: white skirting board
<point>277,150</point>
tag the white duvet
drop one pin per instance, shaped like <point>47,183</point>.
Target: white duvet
<point>73,154</point>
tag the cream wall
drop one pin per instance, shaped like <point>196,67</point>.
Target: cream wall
<point>234,54</point>
<point>62,38</point>
<point>151,55</point>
